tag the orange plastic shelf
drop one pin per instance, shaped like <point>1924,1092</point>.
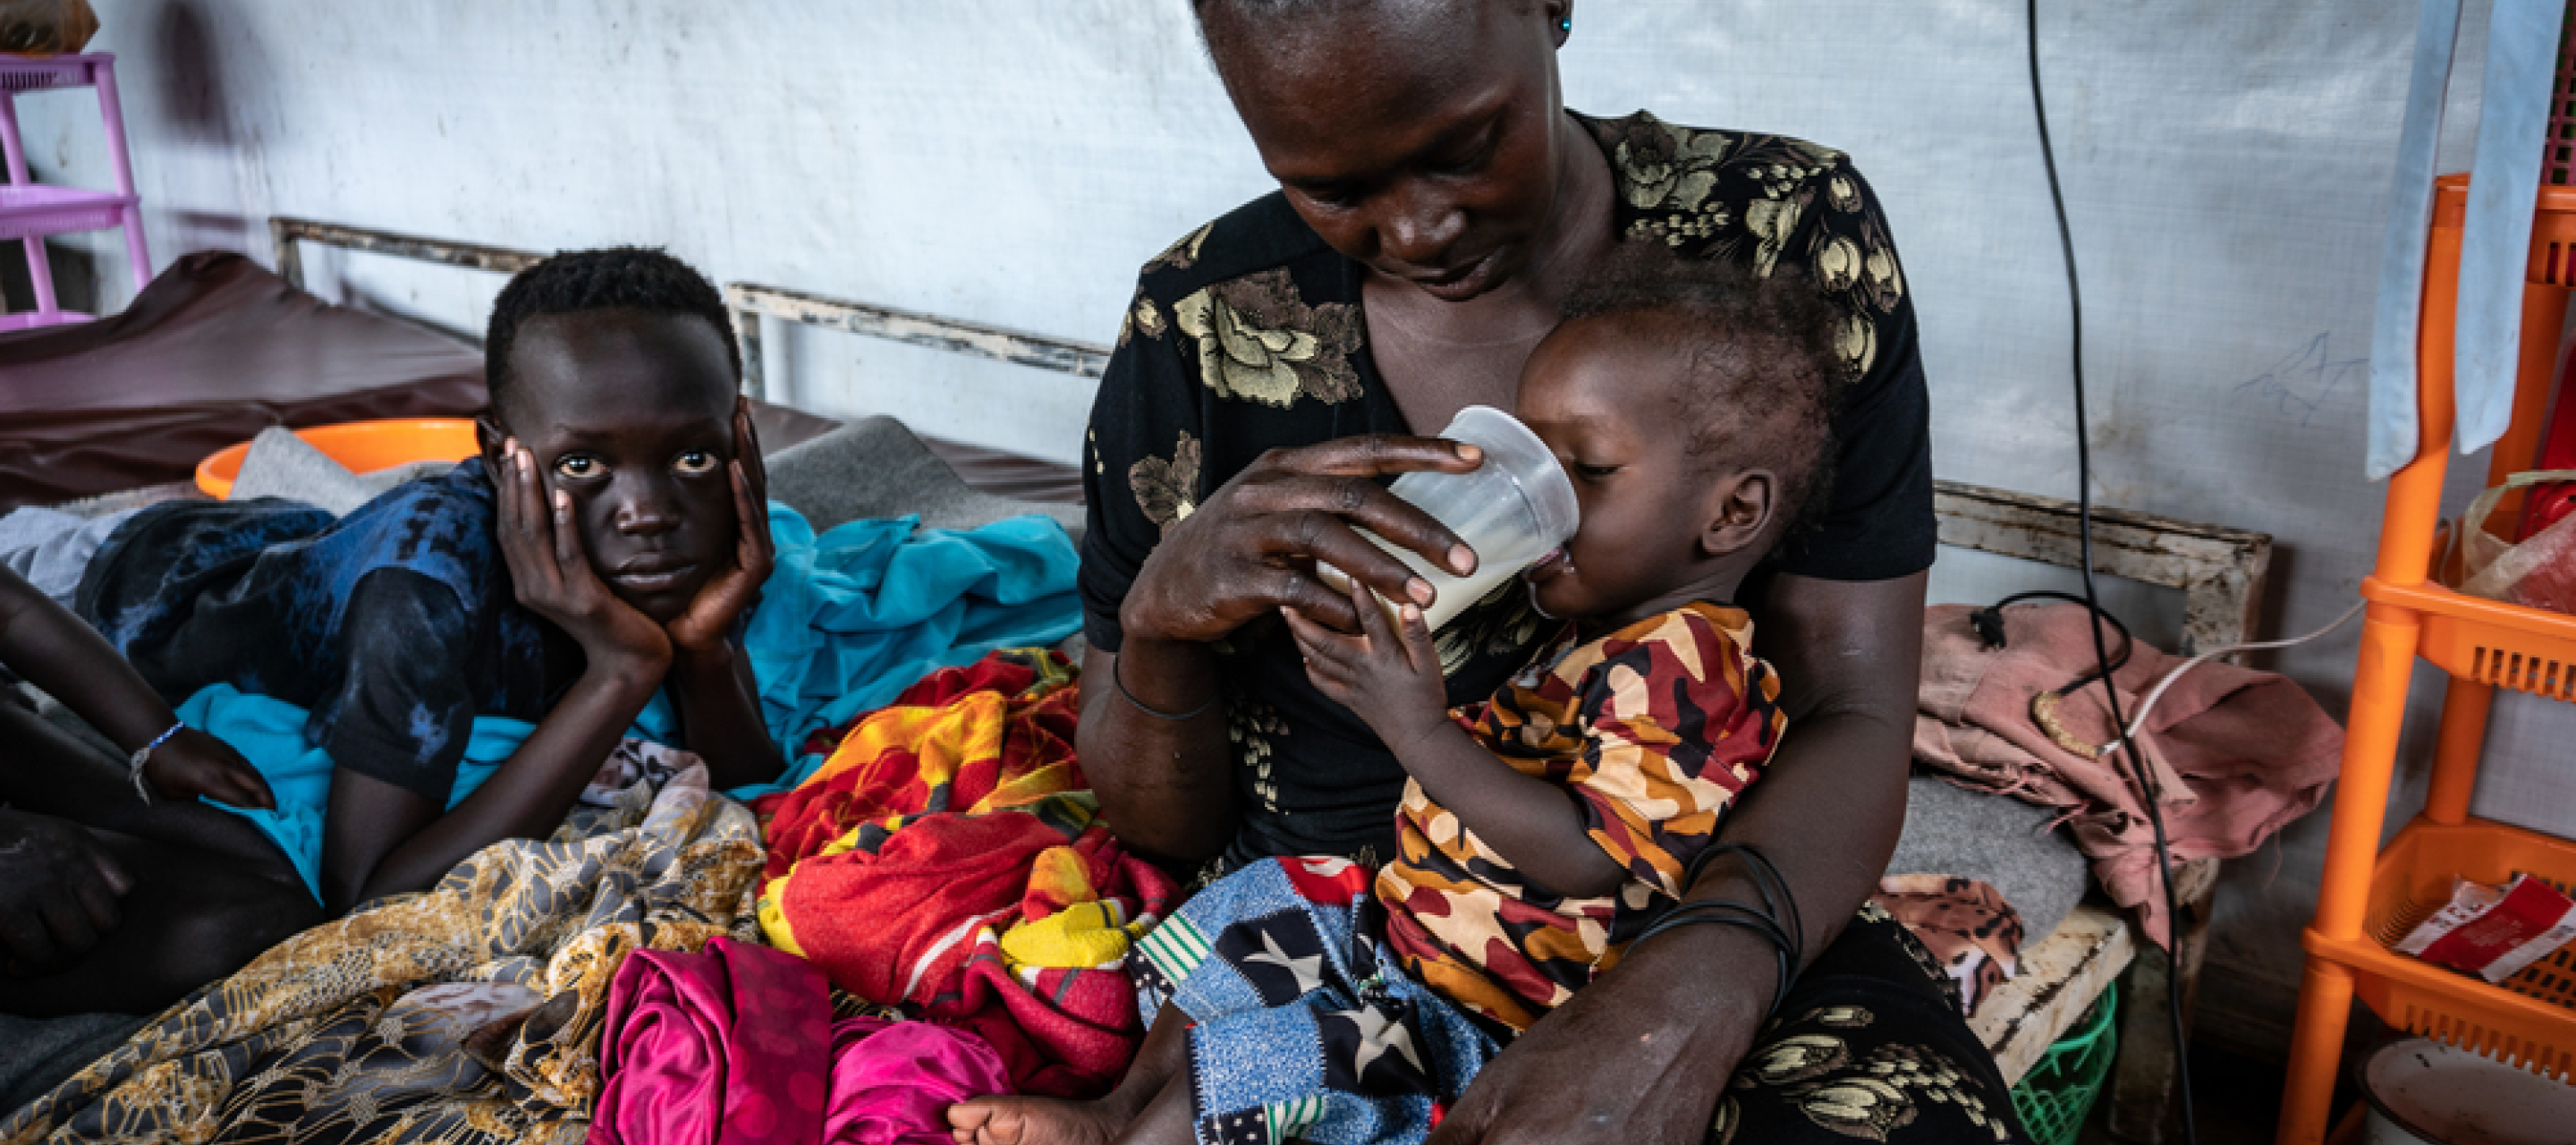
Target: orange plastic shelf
<point>2488,641</point>
<point>2483,644</point>
<point>2553,227</point>
<point>2529,1019</point>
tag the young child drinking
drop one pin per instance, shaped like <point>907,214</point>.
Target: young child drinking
<point>605,546</point>
<point>1544,829</point>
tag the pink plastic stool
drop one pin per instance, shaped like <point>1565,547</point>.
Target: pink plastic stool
<point>30,211</point>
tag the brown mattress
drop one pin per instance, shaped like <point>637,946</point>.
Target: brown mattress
<point>210,353</point>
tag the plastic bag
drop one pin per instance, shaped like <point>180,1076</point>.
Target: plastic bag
<point>45,27</point>
<point>2540,571</point>
<point>2493,932</point>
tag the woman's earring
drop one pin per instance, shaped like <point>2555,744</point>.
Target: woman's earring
<point>1565,25</point>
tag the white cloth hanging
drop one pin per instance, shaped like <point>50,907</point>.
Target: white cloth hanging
<point>2522,49</point>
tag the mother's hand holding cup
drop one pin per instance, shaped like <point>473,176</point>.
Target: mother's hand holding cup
<point>1253,545</point>
<point>1512,510</point>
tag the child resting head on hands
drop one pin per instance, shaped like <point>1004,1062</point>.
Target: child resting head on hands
<point>1544,829</point>
<point>606,545</point>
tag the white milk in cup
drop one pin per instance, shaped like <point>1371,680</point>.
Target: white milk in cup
<point>1513,509</point>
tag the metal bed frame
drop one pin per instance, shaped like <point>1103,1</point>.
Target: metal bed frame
<point>2220,572</point>
<point>284,233</point>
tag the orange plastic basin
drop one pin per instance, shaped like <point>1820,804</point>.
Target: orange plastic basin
<point>363,446</point>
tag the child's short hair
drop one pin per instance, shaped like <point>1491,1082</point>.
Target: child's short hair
<point>1763,376</point>
<point>616,278</point>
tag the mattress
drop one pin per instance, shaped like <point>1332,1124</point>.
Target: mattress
<point>210,353</point>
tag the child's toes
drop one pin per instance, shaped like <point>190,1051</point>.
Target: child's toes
<point>965,1117</point>
<point>1029,1121</point>
<point>1005,1126</point>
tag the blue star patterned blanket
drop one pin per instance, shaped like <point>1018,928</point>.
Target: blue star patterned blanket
<point>1303,1026</point>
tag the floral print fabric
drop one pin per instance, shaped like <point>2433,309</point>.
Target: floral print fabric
<point>469,1013</point>
<point>1258,342</point>
<point>1714,193</point>
<point>1868,1047</point>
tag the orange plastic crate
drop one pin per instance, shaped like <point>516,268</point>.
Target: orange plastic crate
<point>2370,895</point>
<point>2488,641</point>
<point>2529,1019</point>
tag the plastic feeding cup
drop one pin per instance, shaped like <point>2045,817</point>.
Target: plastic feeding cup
<point>1513,509</point>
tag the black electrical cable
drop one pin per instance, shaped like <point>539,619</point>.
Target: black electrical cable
<point>1989,625</point>
<point>2092,595</point>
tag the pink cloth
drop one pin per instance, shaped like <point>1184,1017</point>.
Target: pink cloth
<point>894,1081</point>
<point>2238,754</point>
<point>736,1045</point>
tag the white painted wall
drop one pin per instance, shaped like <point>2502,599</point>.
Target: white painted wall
<point>2227,166</point>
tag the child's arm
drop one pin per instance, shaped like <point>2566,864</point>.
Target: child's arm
<point>1392,680</point>
<point>711,681</point>
<point>380,838</point>
<point>55,651</point>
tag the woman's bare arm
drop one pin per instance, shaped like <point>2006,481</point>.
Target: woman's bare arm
<point>1164,785</point>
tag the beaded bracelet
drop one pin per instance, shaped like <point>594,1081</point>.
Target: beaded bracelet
<point>134,763</point>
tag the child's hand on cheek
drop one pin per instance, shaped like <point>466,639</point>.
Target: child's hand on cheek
<point>729,594</point>
<point>1389,677</point>
<point>553,577</point>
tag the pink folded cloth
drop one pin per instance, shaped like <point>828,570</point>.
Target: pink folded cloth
<point>731,1046</point>
<point>735,1045</point>
<point>894,1081</point>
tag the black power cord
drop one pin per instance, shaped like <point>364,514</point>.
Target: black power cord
<point>2092,595</point>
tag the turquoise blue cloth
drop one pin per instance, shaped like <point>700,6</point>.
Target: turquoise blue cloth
<point>851,618</point>
<point>270,734</point>
<point>846,621</point>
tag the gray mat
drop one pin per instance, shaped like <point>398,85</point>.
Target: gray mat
<point>51,548</point>
<point>1950,830</point>
<point>874,467</point>
<point>281,464</point>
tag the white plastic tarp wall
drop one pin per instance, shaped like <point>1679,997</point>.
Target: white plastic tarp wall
<point>2226,164</point>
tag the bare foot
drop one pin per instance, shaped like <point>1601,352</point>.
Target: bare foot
<point>1033,1121</point>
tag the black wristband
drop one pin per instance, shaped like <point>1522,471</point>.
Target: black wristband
<point>1726,912</point>
<point>1767,882</point>
<point>1139,705</point>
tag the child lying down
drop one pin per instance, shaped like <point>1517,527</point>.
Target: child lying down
<point>1542,831</point>
<point>607,542</point>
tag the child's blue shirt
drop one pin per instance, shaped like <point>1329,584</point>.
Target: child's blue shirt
<point>394,626</point>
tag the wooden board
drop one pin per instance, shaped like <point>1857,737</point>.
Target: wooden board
<point>2060,977</point>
